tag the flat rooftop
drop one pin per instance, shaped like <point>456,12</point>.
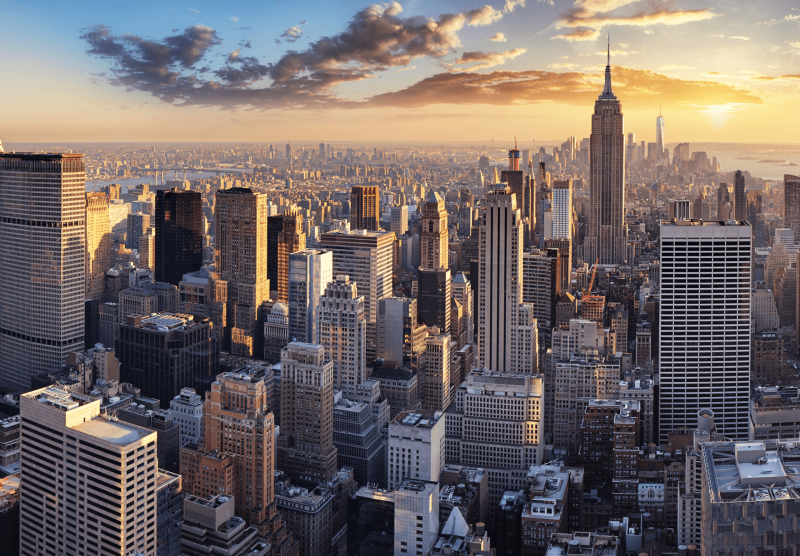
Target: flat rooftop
<point>417,419</point>
<point>116,432</point>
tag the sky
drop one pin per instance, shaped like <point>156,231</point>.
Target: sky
<point>415,70</point>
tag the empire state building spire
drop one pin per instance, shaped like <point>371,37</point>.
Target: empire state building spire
<point>607,92</point>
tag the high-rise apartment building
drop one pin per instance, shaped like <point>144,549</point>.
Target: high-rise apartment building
<point>98,244</point>
<point>310,271</point>
<point>704,325</point>
<point>435,296</point>
<point>290,240</point>
<point>342,330</point>
<point>606,239</point>
<point>438,359</point>
<point>399,220</point>
<point>88,483</point>
<point>305,444</point>
<point>365,211</point>
<point>240,255</point>
<point>165,352</point>
<point>433,241</point>
<point>500,290</point>
<point>179,234</point>
<point>138,224</point>
<point>791,204</point>
<point>366,257</point>
<point>739,198</point>
<point>43,249</point>
<point>462,292</point>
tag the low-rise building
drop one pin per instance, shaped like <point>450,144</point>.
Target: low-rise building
<point>546,510</point>
<point>774,412</point>
<point>583,544</point>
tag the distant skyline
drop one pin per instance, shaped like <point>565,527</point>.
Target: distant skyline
<point>722,70</point>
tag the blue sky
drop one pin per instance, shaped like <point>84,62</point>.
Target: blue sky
<point>722,69</point>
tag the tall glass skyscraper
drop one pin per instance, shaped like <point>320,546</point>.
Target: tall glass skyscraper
<point>660,140</point>
<point>43,250</point>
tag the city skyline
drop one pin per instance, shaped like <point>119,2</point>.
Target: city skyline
<point>442,71</point>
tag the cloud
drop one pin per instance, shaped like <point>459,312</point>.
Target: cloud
<point>376,39</point>
<point>563,65</point>
<point>795,45</point>
<point>592,16</point>
<point>487,59</point>
<point>193,11</point>
<point>719,36</point>
<point>635,88</point>
<point>713,73</point>
<point>292,34</point>
<point>304,22</point>
<point>617,52</point>
<point>234,18</point>
<point>673,67</point>
<point>512,4</point>
<point>741,38</point>
<point>498,37</point>
<point>579,35</point>
<point>785,77</point>
<point>483,16</point>
<point>648,31</point>
<point>406,69</point>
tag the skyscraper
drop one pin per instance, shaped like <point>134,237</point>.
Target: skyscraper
<point>400,220</point>
<point>342,330</point>
<point>239,421</point>
<point>661,142</point>
<point>365,211</point>
<point>500,289</point>
<point>240,254</point>
<point>791,204</point>
<point>179,234</point>
<point>88,482</point>
<point>310,271</point>
<point>724,196</point>
<point>435,295</point>
<point>739,198</point>
<point>138,224</point>
<point>290,239</point>
<point>704,325</point>
<point>606,238</point>
<point>43,250</point>
<point>98,244</point>
<point>514,178</point>
<point>433,242</point>
<point>366,257</point>
<point>305,444</point>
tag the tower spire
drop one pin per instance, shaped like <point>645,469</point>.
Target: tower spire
<point>607,92</point>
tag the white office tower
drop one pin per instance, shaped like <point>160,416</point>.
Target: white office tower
<point>342,329</point>
<point>416,517</point>
<point>42,249</point>
<point>495,423</point>
<point>438,358</point>
<point>562,210</point>
<point>704,322</point>
<point>367,258</point>
<point>186,410</point>
<point>500,293</point>
<point>399,220</point>
<point>462,292</point>
<point>416,447</point>
<point>88,483</point>
<point>310,272</point>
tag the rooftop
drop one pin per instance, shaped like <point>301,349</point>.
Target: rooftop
<point>116,432</point>
<point>583,544</point>
<point>423,488</point>
<point>61,398</point>
<point>753,471</point>
<point>417,419</point>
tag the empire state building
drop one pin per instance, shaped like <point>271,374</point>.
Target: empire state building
<point>607,239</point>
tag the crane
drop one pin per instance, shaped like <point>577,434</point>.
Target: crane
<point>591,282</point>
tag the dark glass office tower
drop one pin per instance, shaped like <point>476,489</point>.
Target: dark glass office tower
<point>179,234</point>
